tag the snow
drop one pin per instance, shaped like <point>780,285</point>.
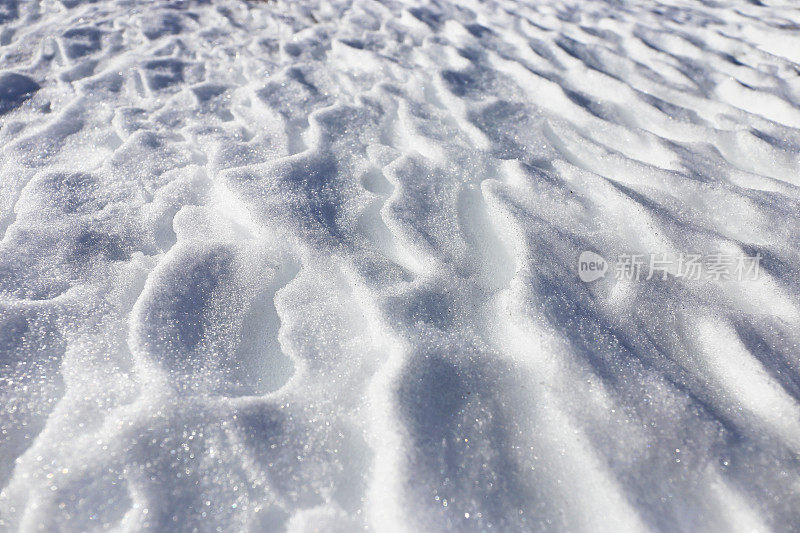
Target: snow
<point>312,265</point>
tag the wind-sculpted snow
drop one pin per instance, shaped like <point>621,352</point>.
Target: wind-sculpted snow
<point>313,265</point>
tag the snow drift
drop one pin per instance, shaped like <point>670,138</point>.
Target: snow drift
<point>312,265</point>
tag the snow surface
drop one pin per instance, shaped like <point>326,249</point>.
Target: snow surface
<point>312,265</point>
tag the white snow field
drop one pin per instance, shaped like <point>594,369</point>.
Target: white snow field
<point>313,265</point>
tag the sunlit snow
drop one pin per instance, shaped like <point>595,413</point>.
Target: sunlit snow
<point>314,265</point>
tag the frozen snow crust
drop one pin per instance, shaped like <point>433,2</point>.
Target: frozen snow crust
<point>312,265</point>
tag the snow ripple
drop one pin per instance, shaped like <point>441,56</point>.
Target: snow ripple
<point>312,265</point>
